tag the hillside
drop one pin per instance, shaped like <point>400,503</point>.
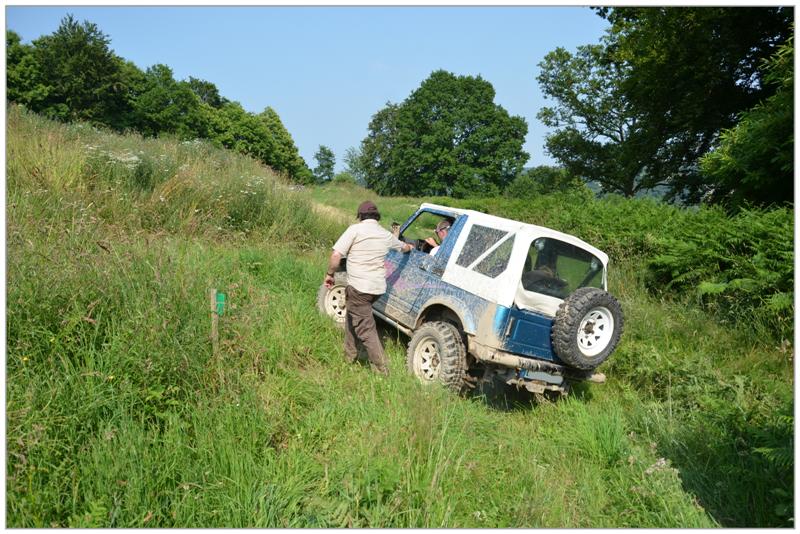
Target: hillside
<point>119,413</point>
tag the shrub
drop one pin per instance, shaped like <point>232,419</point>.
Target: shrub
<point>741,267</point>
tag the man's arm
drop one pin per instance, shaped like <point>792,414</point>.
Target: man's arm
<point>333,265</point>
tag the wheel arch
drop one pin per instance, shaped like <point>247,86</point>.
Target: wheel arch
<point>446,309</point>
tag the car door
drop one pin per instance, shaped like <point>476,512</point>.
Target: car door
<point>412,274</point>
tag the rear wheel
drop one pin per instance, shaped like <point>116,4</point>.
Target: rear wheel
<point>332,301</point>
<point>436,353</point>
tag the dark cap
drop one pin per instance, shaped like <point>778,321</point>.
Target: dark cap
<point>367,208</point>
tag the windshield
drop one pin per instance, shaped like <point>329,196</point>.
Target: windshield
<point>556,268</point>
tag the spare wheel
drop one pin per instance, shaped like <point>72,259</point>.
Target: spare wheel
<point>587,328</point>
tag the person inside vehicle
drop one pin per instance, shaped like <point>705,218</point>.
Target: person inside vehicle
<point>441,232</point>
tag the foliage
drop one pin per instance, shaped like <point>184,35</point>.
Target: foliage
<point>344,178</point>
<point>206,91</point>
<point>743,266</point>
<point>447,138</point>
<point>285,158</point>
<point>690,71</point>
<point>355,165</point>
<point>325,162</point>
<point>638,110</point>
<point>164,105</point>
<point>24,83</point>
<point>755,159</point>
<point>596,136</point>
<point>81,73</point>
<point>541,180</point>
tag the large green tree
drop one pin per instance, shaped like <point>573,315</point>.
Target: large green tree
<point>674,77</point>
<point>164,105</point>
<point>82,74</point>
<point>755,160</point>
<point>596,135</point>
<point>285,157</point>
<point>447,138</point>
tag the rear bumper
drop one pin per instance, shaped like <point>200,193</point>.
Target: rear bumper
<point>494,356</point>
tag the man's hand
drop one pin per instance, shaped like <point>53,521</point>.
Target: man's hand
<point>333,266</point>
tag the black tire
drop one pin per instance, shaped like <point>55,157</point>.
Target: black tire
<point>436,353</point>
<point>332,302</point>
<point>587,328</point>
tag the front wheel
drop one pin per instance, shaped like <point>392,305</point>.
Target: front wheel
<point>436,353</point>
<point>332,301</point>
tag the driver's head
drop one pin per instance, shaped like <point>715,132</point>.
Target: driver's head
<point>442,228</point>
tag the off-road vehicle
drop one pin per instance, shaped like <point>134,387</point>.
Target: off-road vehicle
<point>522,302</point>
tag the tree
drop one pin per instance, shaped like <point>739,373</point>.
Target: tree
<point>325,163</point>
<point>207,92</point>
<point>640,109</point>
<point>285,157</point>
<point>542,180</point>
<point>692,71</point>
<point>447,138</point>
<point>596,135</point>
<point>377,149</point>
<point>165,105</point>
<point>24,81</point>
<point>354,165</point>
<point>236,129</point>
<point>754,160</point>
<point>83,75</point>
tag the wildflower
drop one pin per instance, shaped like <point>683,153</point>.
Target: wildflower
<point>660,464</point>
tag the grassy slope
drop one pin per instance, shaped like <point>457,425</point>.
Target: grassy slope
<point>118,413</point>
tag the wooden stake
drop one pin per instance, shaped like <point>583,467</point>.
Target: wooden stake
<point>212,299</point>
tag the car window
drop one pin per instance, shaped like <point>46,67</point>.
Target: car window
<point>422,226</point>
<point>479,240</point>
<point>556,268</point>
<point>497,260</point>
<point>421,232</point>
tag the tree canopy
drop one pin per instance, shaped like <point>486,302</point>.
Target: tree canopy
<point>596,132</point>
<point>82,75</point>
<point>447,138</point>
<point>755,159</point>
<point>642,107</point>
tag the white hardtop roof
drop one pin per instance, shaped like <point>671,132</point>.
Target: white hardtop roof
<point>539,231</point>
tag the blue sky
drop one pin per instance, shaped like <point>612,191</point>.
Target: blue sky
<point>327,70</point>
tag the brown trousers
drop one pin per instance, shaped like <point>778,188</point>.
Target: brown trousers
<point>361,330</point>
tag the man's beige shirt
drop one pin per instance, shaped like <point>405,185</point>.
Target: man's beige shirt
<point>365,245</point>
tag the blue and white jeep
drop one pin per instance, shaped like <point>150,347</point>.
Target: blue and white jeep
<point>522,302</point>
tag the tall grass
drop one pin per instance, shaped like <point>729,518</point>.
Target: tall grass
<point>119,414</point>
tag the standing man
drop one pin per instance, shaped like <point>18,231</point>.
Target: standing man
<point>365,245</point>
